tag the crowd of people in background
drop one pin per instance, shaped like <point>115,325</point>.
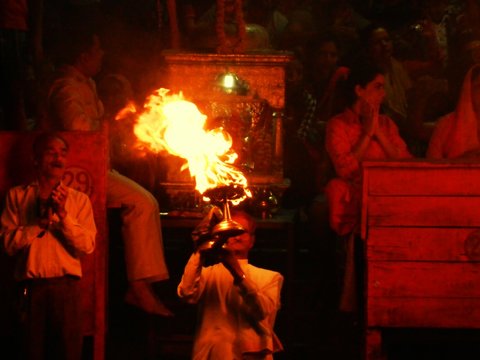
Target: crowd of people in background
<point>423,46</point>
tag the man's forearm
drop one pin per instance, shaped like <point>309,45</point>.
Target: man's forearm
<point>189,289</point>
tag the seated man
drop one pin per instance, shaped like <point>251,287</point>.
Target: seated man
<point>73,104</point>
<point>49,226</point>
<point>238,301</point>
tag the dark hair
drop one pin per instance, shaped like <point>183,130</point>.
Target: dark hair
<point>365,34</point>
<point>75,41</point>
<point>361,73</point>
<point>316,42</point>
<point>41,141</point>
<point>252,224</point>
<point>312,52</point>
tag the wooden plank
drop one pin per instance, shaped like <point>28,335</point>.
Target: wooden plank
<point>416,219</point>
<point>426,312</point>
<point>424,181</point>
<point>424,211</point>
<point>423,279</point>
<point>420,244</point>
<point>421,163</point>
<point>364,208</point>
<point>373,345</point>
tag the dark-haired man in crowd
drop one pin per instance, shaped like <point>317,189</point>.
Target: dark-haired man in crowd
<point>238,302</point>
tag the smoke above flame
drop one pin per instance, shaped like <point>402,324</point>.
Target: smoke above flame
<point>172,124</point>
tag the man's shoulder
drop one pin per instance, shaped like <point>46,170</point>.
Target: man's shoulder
<point>265,272</point>
<point>67,75</point>
<point>21,192</point>
<point>21,188</point>
<point>77,194</point>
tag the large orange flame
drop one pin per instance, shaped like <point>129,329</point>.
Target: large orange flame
<point>171,123</point>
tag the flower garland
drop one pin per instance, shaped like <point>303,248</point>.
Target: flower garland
<point>223,45</point>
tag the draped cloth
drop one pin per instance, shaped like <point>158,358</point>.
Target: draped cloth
<point>457,133</point>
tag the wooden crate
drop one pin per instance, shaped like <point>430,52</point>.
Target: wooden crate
<point>421,224</point>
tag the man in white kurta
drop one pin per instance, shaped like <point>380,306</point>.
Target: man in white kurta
<point>237,301</point>
<point>48,227</point>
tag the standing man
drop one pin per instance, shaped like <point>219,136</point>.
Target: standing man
<point>73,104</point>
<point>48,227</point>
<point>238,302</point>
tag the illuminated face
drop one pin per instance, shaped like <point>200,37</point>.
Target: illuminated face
<point>52,159</point>
<point>241,244</point>
<point>374,92</point>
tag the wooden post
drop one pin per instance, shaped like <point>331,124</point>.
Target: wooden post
<point>174,32</point>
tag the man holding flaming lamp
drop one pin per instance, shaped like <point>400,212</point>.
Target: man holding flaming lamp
<point>238,302</point>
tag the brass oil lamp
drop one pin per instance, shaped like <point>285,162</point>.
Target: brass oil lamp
<point>215,229</point>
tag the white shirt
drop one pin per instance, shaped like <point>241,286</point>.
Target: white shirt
<point>51,253</point>
<point>73,103</point>
<point>234,320</point>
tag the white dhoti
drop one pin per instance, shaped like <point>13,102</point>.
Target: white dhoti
<point>141,229</point>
